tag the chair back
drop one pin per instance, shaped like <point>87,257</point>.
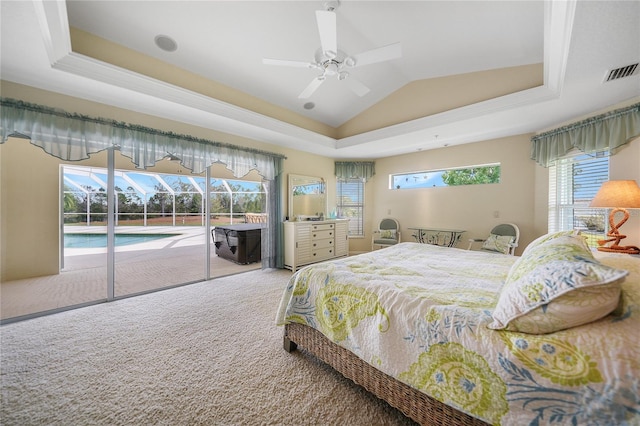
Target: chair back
<point>507,229</point>
<point>386,224</point>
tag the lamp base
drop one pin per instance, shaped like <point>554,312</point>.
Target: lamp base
<point>616,236</point>
<point>621,249</point>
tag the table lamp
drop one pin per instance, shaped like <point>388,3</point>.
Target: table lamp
<point>618,195</point>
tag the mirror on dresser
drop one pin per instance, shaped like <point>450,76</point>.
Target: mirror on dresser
<point>307,198</point>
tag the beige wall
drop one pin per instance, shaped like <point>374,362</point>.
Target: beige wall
<point>29,186</point>
<point>473,207</point>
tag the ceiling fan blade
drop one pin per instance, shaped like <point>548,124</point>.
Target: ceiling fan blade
<point>356,86</point>
<point>380,54</point>
<point>328,33</point>
<point>286,63</point>
<point>312,87</point>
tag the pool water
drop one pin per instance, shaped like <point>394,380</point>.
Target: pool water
<point>100,240</point>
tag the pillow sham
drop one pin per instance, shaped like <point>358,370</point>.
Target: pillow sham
<point>498,243</point>
<point>550,236</point>
<point>388,234</point>
<point>555,285</point>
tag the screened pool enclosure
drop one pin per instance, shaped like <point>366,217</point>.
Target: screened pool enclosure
<point>160,199</point>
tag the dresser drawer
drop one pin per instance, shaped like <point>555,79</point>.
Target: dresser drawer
<point>323,226</point>
<point>323,235</point>
<point>324,253</point>
<point>321,244</point>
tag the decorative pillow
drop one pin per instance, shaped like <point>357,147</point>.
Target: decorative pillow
<point>389,234</point>
<point>544,238</point>
<point>498,243</point>
<point>556,284</point>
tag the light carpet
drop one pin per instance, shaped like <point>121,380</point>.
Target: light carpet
<point>207,353</point>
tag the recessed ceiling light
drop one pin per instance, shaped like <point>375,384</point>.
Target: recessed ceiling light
<point>309,105</point>
<point>166,43</point>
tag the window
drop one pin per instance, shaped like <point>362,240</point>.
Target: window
<point>350,204</point>
<point>573,183</point>
<point>469,175</point>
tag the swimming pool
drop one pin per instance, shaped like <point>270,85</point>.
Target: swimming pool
<point>100,240</point>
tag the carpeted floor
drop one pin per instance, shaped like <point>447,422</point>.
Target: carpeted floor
<point>207,353</point>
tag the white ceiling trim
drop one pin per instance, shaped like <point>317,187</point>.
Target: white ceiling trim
<point>194,108</point>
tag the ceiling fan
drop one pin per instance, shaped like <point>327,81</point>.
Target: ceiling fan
<point>333,62</point>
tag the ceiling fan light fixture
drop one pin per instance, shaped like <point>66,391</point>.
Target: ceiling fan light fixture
<point>331,61</point>
<point>331,68</point>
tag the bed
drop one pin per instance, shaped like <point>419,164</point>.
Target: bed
<point>451,336</point>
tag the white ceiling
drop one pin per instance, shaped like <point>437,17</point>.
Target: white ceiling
<point>225,41</point>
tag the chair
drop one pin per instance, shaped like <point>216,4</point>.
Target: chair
<point>387,234</point>
<point>502,239</point>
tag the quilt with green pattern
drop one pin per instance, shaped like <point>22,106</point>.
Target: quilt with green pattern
<point>419,313</point>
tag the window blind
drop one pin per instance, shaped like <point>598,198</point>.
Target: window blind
<point>350,204</point>
<point>573,183</point>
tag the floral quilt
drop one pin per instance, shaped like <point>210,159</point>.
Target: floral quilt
<point>420,312</point>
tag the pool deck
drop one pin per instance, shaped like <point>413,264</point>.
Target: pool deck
<point>139,268</point>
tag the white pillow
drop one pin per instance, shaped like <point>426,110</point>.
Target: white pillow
<point>555,285</point>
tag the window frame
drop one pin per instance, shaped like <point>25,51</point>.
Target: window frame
<point>341,206</point>
<point>435,176</point>
<point>565,210</point>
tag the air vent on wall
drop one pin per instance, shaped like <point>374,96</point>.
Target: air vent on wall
<point>621,72</point>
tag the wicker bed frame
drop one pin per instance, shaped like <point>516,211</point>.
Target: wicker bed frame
<point>413,403</point>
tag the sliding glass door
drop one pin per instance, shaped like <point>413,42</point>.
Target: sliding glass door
<point>65,252</point>
<point>162,243</point>
<point>41,204</point>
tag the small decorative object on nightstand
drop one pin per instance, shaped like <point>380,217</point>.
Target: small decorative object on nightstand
<point>619,195</point>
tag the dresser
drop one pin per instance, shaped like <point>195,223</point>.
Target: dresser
<point>309,242</point>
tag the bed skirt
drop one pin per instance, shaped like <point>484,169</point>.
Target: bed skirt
<point>413,403</point>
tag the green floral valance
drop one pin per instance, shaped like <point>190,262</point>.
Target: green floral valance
<point>73,137</point>
<point>607,131</point>
<point>355,169</point>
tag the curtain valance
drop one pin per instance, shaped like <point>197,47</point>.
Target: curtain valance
<point>73,137</point>
<point>607,131</point>
<point>355,169</point>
